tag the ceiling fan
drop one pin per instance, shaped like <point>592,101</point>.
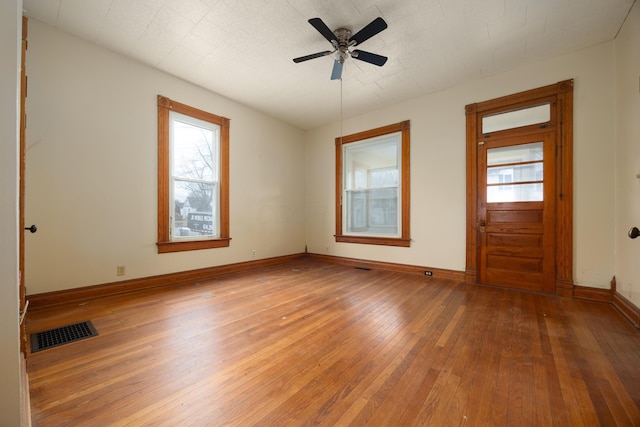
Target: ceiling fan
<point>342,40</point>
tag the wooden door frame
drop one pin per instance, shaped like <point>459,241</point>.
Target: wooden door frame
<point>23,155</point>
<point>563,91</point>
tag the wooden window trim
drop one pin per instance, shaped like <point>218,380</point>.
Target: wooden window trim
<point>405,239</point>
<point>165,245</point>
<point>562,123</point>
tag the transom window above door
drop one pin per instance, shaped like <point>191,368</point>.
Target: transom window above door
<point>517,118</point>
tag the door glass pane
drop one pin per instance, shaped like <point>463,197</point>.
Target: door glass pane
<point>516,118</point>
<point>515,193</point>
<point>514,154</point>
<point>515,173</point>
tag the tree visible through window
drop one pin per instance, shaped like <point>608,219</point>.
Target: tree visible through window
<point>193,150</point>
<point>372,186</point>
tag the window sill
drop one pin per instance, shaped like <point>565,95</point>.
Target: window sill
<point>368,240</point>
<point>192,245</point>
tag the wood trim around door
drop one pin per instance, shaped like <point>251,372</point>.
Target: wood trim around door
<point>563,92</point>
<point>23,155</point>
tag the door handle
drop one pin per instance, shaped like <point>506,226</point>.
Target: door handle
<point>32,229</point>
<point>482,224</point>
<point>634,232</point>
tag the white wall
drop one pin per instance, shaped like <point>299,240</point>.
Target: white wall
<point>10,41</point>
<point>627,53</point>
<point>91,181</point>
<point>92,169</point>
<point>438,167</point>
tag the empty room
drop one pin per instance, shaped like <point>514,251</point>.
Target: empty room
<point>284,213</point>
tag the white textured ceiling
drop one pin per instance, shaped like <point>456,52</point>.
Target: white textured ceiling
<point>243,49</point>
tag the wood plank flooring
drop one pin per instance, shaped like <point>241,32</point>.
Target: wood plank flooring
<point>312,343</point>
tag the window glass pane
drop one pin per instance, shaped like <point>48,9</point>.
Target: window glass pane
<point>359,178</point>
<point>371,179</point>
<point>514,154</point>
<point>194,213</point>
<point>356,206</point>
<point>194,148</point>
<point>383,178</point>
<point>516,118</point>
<point>383,209</point>
<point>375,154</point>
<point>373,211</point>
<point>515,193</point>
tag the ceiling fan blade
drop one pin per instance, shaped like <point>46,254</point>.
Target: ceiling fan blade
<point>322,28</point>
<point>336,73</point>
<point>312,56</point>
<point>373,28</point>
<point>369,57</point>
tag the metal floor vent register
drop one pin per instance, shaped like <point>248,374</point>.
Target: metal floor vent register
<point>62,335</point>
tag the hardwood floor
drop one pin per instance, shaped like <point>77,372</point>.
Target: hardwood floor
<point>312,343</point>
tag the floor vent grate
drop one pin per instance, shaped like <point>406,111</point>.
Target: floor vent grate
<point>63,335</point>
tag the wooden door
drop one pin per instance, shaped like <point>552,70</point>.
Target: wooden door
<point>521,243</point>
<point>516,177</point>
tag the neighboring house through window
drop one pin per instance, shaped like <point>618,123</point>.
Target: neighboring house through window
<point>372,186</point>
<point>193,178</point>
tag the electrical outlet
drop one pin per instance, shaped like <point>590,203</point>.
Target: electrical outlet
<point>428,273</point>
<point>120,270</point>
<point>253,253</point>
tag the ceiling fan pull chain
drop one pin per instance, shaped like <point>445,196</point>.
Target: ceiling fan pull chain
<point>341,112</point>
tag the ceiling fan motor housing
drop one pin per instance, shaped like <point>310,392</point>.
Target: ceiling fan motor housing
<point>343,35</point>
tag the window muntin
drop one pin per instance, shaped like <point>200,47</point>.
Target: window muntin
<point>372,186</point>
<point>193,178</point>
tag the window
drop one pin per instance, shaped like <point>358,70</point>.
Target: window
<point>372,186</point>
<point>193,178</point>
<point>516,118</point>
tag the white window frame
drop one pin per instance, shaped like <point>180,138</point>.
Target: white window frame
<point>214,182</point>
